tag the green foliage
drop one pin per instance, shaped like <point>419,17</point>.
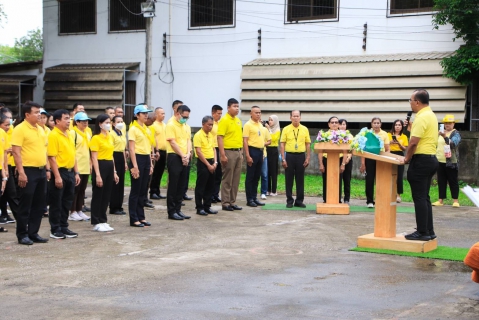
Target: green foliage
<point>30,47</point>
<point>7,55</point>
<point>463,16</point>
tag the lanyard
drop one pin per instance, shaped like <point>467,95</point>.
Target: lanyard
<point>296,135</point>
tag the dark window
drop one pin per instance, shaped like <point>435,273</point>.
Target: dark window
<point>411,6</point>
<point>312,10</point>
<point>77,16</point>
<point>205,13</point>
<point>130,100</point>
<point>125,15</point>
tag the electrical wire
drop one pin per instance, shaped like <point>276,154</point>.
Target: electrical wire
<point>136,14</point>
<point>167,72</point>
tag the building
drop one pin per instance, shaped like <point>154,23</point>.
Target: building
<point>351,58</point>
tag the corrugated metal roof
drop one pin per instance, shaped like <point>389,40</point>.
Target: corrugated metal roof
<point>20,65</point>
<point>15,78</point>
<point>351,59</point>
<point>93,66</point>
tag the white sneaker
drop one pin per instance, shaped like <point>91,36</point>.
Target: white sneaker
<point>75,217</point>
<point>83,216</point>
<point>274,194</point>
<point>370,205</point>
<point>100,228</point>
<point>107,226</point>
<point>263,196</point>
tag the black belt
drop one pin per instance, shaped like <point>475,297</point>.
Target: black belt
<point>424,156</point>
<point>261,149</point>
<point>276,147</point>
<point>234,149</point>
<point>39,168</point>
<point>67,169</point>
<point>294,152</point>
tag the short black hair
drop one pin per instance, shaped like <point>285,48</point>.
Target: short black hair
<point>27,107</point>
<point>75,106</point>
<point>232,101</point>
<point>109,108</point>
<point>3,117</point>
<point>58,114</point>
<point>206,119</point>
<point>183,108</point>
<point>2,105</point>
<point>343,120</point>
<point>175,103</point>
<point>333,118</point>
<point>5,110</point>
<point>118,107</point>
<point>291,113</point>
<point>100,119</point>
<point>216,108</point>
<point>422,96</point>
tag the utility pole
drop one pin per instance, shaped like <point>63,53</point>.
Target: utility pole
<point>148,61</point>
<point>148,9</point>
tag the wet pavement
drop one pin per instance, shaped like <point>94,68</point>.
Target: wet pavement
<point>249,264</point>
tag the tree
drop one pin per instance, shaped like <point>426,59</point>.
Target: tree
<point>30,47</point>
<point>463,16</point>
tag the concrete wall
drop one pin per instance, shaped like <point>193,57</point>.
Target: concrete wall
<point>207,63</point>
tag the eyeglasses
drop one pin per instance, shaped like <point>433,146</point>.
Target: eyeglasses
<point>186,118</point>
<point>412,100</point>
<point>334,122</point>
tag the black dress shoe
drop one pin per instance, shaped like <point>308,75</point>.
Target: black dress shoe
<point>38,239</point>
<point>138,225</point>
<point>117,212</point>
<point>25,241</point>
<point>417,236</point>
<point>235,207</point>
<point>201,212</point>
<point>217,199</point>
<point>213,200</point>
<point>211,211</point>
<point>182,204</point>
<point>86,209</point>
<point>174,216</point>
<point>149,206</point>
<point>300,205</point>
<point>251,204</point>
<point>146,223</point>
<point>154,196</point>
<point>149,201</point>
<point>227,208</point>
<point>432,235</point>
<point>185,197</point>
<point>161,197</point>
<point>181,214</point>
<point>259,203</point>
<point>289,205</point>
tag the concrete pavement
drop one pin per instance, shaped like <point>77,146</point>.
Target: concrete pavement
<point>249,264</point>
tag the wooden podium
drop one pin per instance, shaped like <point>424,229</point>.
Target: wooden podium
<point>332,205</point>
<point>384,236</point>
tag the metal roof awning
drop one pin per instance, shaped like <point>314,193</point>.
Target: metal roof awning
<point>96,86</point>
<point>356,88</point>
<point>11,89</point>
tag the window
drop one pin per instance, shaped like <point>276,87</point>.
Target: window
<point>211,13</point>
<point>125,15</point>
<point>411,6</point>
<point>300,10</point>
<point>77,16</point>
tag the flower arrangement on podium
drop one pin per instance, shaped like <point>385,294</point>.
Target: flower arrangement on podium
<point>367,141</point>
<point>334,136</point>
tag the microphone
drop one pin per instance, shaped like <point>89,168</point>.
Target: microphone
<point>408,116</point>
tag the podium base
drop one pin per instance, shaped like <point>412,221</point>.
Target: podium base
<point>327,208</point>
<point>398,243</point>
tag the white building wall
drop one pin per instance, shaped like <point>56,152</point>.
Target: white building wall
<point>207,62</point>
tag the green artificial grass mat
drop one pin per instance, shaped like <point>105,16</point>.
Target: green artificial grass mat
<point>441,253</point>
<point>309,207</point>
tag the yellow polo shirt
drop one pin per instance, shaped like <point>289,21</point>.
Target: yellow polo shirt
<point>275,139</point>
<point>11,161</point>
<point>205,142</point>
<point>142,142</point>
<point>160,134</point>
<point>88,130</point>
<point>103,144</point>
<point>119,141</point>
<point>255,134</point>
<point>402,139</point>
<point>425,127</point>
<point>170,120</point>
<point>46,129</point>
<point>62,147</point>
<point>295,139</point>
<point>181,133</point>
<point>214,133</point>
<point>82,151</point>
<point>33,142</point>
<point>231,130</point>
<point>4,145</point>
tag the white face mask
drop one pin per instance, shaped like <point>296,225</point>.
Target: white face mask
<point>120,126</point>
<point>107,127</point>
